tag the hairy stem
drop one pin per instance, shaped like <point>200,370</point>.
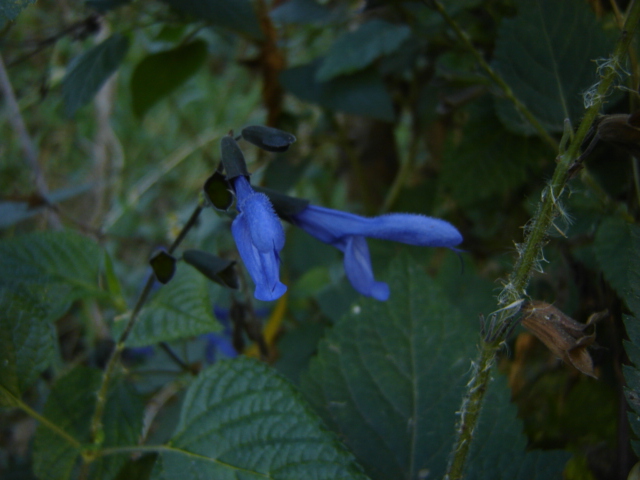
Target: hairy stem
<point>529,257</point>
<point>97,427</point>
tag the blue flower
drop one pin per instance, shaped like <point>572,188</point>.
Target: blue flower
<point>259,237</point>
<point>347,232</point>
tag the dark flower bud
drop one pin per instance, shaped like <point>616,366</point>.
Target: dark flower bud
<point>268,138</point>
<point>218,191</point>
<point>214,268</point>
<point>163,265</point>
<point>232,158</point>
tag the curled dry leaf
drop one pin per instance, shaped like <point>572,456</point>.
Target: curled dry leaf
<point>567,338</point>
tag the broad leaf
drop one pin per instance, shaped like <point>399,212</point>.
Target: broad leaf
<point>9,9</point>
<point>500,449</point>
<point>237,15</point>
<point>390,378</point>
<point>489,160</point>
<point>354,51</point>
<point>617,249</point>
<point>180,309</point>
<point>240,419</point>
<point>301,11</point>
<point>70,406</point>
<point>161,73</point>
<point>363,93</point>
<point>55,267</point>
<point>390,375</point>
<point>546,53</point>
<point>91,70</point>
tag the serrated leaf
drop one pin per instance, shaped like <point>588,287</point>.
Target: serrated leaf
<point>390,375</point>
<point>237,15</point>
<point>546,54</point>
<point>617,249</point>
<point>489,160</point>
<point>91,70</point>
<point>26,341</point>
<point>240,419</point>
<point>55,267</point>
<point>9,9</point>
<point>180,309</point>
<point>363,93</point>
<point>159,74</point>
<point>354,51</point>
<point>70,407</point>
<point>500,449</point>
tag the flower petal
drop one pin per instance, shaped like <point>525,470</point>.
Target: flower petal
<point>262,267</point>
<point>357,266</point>
<point>330,226</point>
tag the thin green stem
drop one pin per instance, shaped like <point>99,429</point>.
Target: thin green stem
<point>97,427</point>
<point>403,174</point>
<point>43,420</point>
<point>530,255</point>
<point>497,79</point>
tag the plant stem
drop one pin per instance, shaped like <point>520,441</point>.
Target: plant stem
<point>406,168</point>
<point>97,427</point>
<point>497,79</point>
<point>529,256</point>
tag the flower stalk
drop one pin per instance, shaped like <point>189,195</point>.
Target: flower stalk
<point>531,252</point>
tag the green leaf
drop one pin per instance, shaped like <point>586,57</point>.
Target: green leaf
<point>159,74</point>
<point>499,451</point>
<point>240,419</point>
<point>56,267</point>
<point>180,309</point>
<point>70,407</point>
<point>354,51</point>
<point>617,249</point>
<point>9,9</point>
<point>489,160</point>
<point>237,15</point>
<point>363,93</point>
<point>27,341</point>
<point>546,54</point>
<point>87,73</point>
<point>390,375</point>
<point>301,11</point>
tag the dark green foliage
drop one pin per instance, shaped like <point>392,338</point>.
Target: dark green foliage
<point>9,9</point>
<point>88,73</point>
<point>163,265</point>
<point>214,268</point>
<point>546,54</point>
<point>159,74</point>
<point>242,418</point>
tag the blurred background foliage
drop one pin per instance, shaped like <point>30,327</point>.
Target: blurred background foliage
<point>126,102</point>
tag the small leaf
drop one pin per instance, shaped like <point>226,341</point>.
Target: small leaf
<point>218,191</point>
<point>232,158</point>
<point>91,70</point>
<point>214,268</point>
<point>9,9</point>
<point>163,265</point>
<point>159,74</point>
<point>538,55</point>
<point>240,419</point>
<point>179,310</point>
<point>354,51</point>
<point>237,15</point>
<point>267,138</point>
<point>363,93</point>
